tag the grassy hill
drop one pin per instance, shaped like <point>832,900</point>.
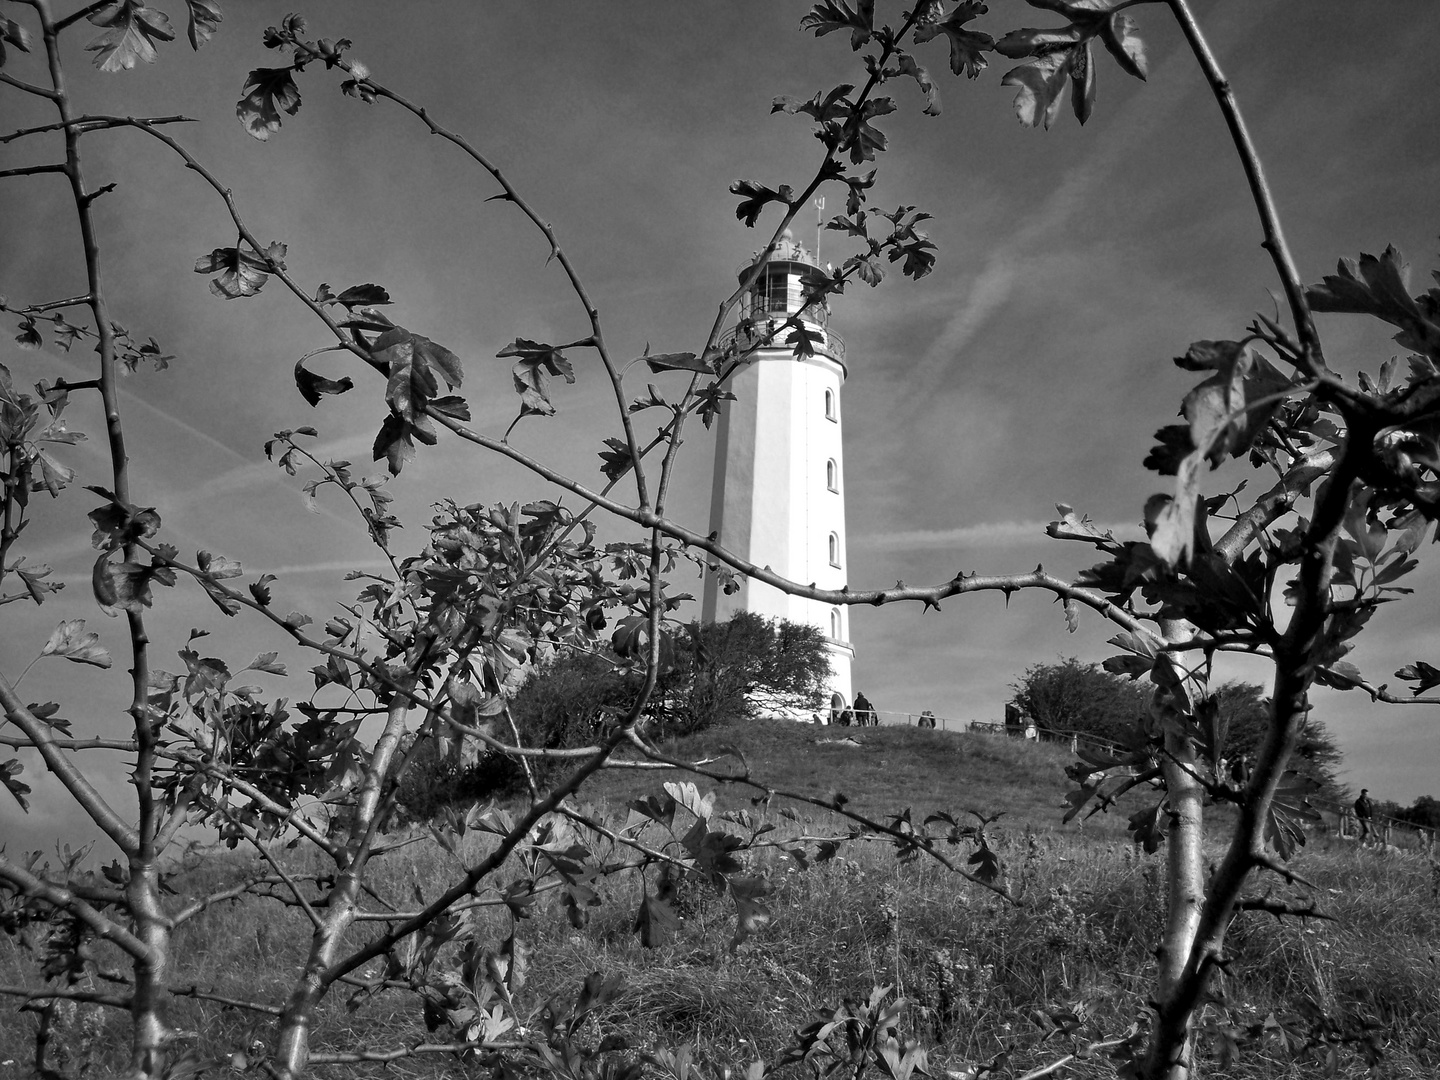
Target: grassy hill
<point>979,973</point>
<point>880,771</point>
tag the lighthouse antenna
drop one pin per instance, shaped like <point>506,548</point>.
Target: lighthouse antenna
<point>819,218</point>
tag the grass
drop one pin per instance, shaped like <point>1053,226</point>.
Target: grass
<point>981,975</point>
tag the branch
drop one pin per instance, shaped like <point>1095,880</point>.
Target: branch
<point>1279,908</point>
<point>90,997</point>
<point>352,1056</point>
<point>76,16</point>
<point>29,88</point>
<point>920,841</point>
<point>187,913</point>
<point>1259,189</point>
<point>250,835</point>
<point>234,1003</point>
<point>82,124</point>
<point>30,885</point>
<point>76,782</point>
<point>31,170</point>
<point>481,870</point>
<point>592,313</point>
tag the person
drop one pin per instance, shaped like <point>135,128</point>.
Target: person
<point>1364,810</point>
<point>864,711</point>
<point>927,719</point>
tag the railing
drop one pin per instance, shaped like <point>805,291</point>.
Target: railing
<point>832,344</point>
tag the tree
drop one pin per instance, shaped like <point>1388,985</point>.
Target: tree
<point>745,667</point>
<point>1070,696</point>
<point>1291,575</point>
<point>750,666</point>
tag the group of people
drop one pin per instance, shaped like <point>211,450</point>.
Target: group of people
<point>862,715</point>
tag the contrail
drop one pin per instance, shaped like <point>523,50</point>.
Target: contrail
<point>1009,533</point>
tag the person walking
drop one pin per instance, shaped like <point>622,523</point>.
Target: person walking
<point>1364,811</point>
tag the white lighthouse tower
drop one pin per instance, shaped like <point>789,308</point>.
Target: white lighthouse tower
<point>779,493</point>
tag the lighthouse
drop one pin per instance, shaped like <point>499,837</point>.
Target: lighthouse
<point>778,498</point>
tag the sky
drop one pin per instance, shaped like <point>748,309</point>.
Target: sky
<point>1030,369</point>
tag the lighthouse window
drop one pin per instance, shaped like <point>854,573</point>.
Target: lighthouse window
<point>772,293</point>
<point>830,405</point>
<point>832,475</point>
<point>834,549</point>
<point>835,623</point>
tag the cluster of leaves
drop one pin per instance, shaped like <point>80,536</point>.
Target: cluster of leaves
<point>857,1033</point>
<point>132,29</point>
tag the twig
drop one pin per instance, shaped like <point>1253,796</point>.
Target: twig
<point>255,842</point>
<point>66,900</point>
<point>31,170</point>
<point>90,997</point>
<point>234,1003</point>
<point>29,88</point>
<point>353,1056</point>
<point>1259,189</point>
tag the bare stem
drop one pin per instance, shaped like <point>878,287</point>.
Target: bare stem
<point>1274,241</point>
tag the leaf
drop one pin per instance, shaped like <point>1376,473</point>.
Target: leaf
<point>9,770</point>
<point>537,363</point>
<point>267,662</point>
<point>399,349</point>
<point>1289,810</point>
<point>831,15</point>
<point>1129,665</point>
<point>1118,34</point>
<point>363,296</point>
<point>709,401</point>
<point>260,590</point>
<point>967,47</point>
<point>312,387</point>
<point>655,922</point>
<point>803,341</point>
<point>908,66</point>
<point>132,29</point>
<point>394,443</point>
<point>986,863</point>
<point>1041,84</point>
<point>1082,81</point>
<point>616,461</point>
<point>680,361</point>
<point>241,272</point>
<point>205,19</point>
<point>72,641</point>
<point>1147,829</point>
<point>862,139</point>
<point>1361,525</point>
<point>755,197</point>
<point>125,586</point>
<point>29,336</point>
<point>1378,287</point>
<point>1422,674</point>
<point>15,34</point>
<point>453,406</point>
<point>751,913</point>
<point>266,92</point>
